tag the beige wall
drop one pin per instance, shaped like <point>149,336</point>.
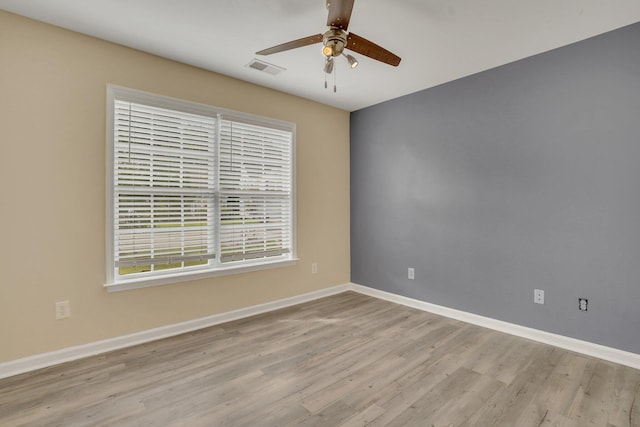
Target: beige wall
<point>52,166</point>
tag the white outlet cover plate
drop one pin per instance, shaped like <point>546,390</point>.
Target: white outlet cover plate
<point>538,296</point>
<point>63,310</point>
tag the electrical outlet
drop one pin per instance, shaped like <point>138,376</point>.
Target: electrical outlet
<point>314,267</point>
<point>411,273</point>
<point>538,296</point>
<point>583,304</point>
<point>63,310</point>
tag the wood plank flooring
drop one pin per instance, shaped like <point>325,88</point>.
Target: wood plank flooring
<point>345,360</point>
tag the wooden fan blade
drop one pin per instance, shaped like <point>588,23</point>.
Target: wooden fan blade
<point>305,41</point>
<point>372,50</point>
<point>339,13</point>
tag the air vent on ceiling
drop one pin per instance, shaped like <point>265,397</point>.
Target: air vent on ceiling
<point>265,67</point>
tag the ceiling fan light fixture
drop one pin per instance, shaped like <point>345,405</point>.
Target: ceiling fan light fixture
<point>353,62</point>
<point>334,41</point>
<point>328,67</point>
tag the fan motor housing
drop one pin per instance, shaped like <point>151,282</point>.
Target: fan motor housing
<point>334,41</point>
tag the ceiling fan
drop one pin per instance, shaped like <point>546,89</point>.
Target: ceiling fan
<point>336,39</point>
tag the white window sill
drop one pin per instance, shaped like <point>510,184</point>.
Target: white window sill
<point>168,279</point>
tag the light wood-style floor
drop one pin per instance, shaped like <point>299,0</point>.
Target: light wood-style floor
<point>345,360</point>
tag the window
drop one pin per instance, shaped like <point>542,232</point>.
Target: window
<point>194,191</point>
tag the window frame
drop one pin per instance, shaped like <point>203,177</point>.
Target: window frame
<point>114,282</point>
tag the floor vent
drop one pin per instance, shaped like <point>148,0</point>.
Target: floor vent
<point>265,67</point>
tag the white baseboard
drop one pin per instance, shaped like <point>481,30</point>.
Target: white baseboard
<point>30,363</point>
<point>44,360</point>
<point>584,347</point>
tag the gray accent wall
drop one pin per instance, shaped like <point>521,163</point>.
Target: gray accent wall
<point>524,176</point>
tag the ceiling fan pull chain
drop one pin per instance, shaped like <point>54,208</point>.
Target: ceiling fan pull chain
<point>334,79</point>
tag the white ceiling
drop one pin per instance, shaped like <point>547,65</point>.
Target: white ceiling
<point>438,40</point>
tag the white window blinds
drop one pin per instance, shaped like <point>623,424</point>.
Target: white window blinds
<point>255,191</point>
<point>196,189</point>
<point>164,188</point>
